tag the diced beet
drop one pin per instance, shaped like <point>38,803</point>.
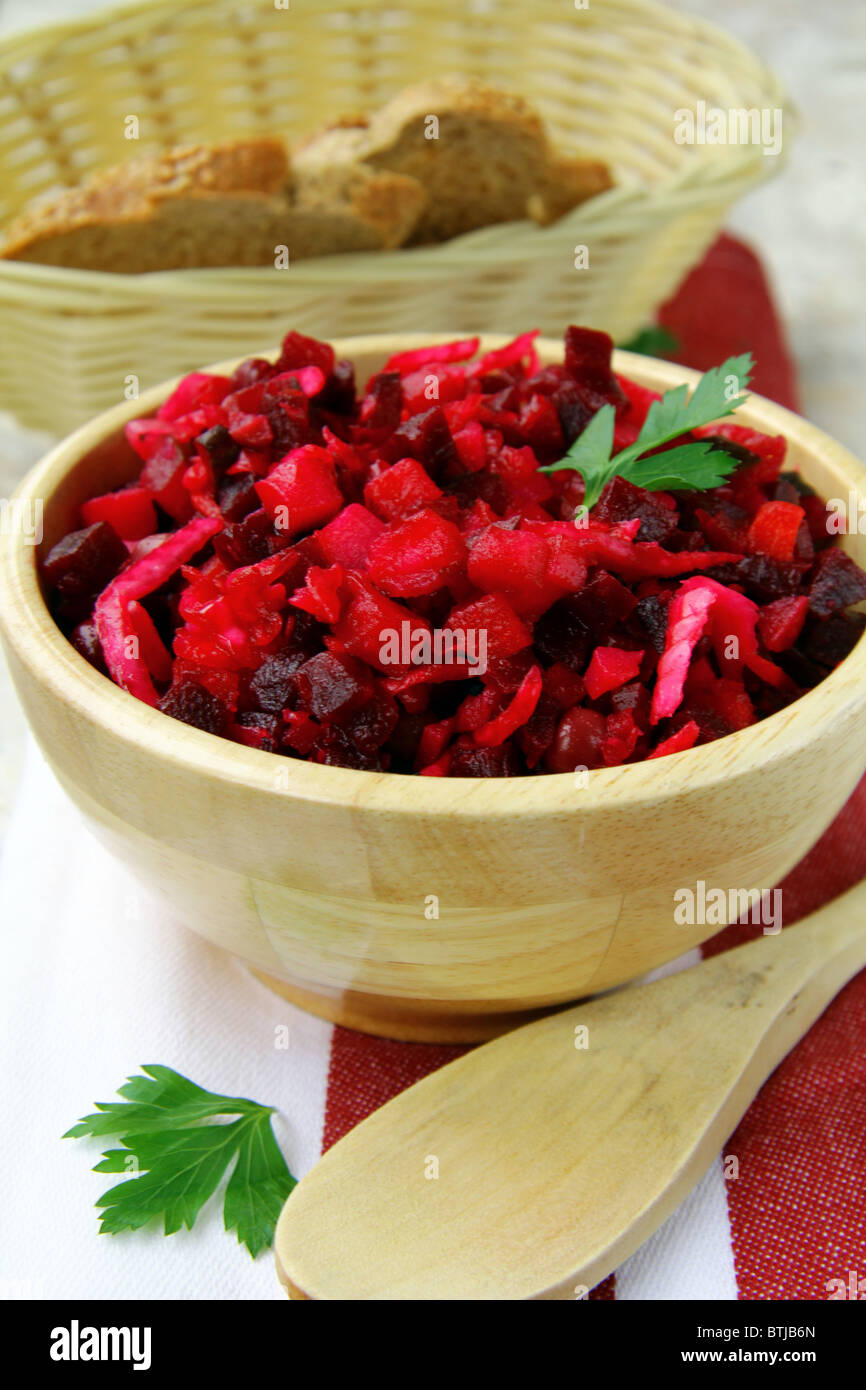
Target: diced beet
<point>504,632</point>
<point>610,667</point>
<point>652,614</point>
<point>837,582</point>
<point>469,761</point>
<point>621,737</point>
<point>400,490</point>
<point>83,562</point>
<point>321,593</point>
<point>130,512</point>
<point>301,492</point>
<point>560,635</point>
<point>220,449</point>
<point>348,538</point>
<point>635,698</point>
<point>246,542</point>
<point>85,640</point>
<point>515,564</point>
<point>237,497</point>
<point>622,500</point>
<point>416,556</point>
<point>603,604</point>
<point>780,623</point>
<point>830,640</point>
<point>272,686</point>
<point>329,686</point>
<point>685,737</point>
<point>192,704</point>
<point>774,530</point>
<point>162,475</point>
<point>370,619</point>
<point>765,579</point>
<point>338,394</point>
<point>578,742</point>
<point>382,404</point>
<point>371,726</point>
<point>564,686</point>
<point>335,747</point>
<point>300,351</point>
<point>251,371</point>
<point>426,438</point>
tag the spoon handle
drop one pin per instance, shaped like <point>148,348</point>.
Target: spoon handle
<point>532,1166</point>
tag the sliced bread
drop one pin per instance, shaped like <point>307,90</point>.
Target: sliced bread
<point>232,204</point>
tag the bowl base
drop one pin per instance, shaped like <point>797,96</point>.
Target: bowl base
<point>409,1020</point>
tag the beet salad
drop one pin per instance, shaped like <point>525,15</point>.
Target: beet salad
<point>465,567</point>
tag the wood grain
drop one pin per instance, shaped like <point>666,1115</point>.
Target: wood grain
<point>320,876</point>
<point>554,1162</point>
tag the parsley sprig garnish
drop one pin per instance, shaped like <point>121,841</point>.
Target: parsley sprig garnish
<point>172,1140</point>
<point>694,466</point>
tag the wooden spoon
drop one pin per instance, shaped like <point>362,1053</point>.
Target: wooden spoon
<point>554,1161</point>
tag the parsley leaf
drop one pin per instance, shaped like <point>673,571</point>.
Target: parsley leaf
<point>652,341</point>
<point>166,1125</point>
<point>692,466</point>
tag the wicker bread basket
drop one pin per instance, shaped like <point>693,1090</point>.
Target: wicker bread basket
<point>607,79</point>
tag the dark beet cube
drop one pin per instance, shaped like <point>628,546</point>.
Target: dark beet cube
<point>193,704</point>
<point>383,403</point>
<point>245,542</point>
<point>81,564</point>
<point>837,582</point>
<point>329,686</point>
<point>290,423</point>
<point>602,604</point>
<point>561,635</point>
<point>403,743</point>
<point>426,438</point>
<point>588,360</point>
<point>337,396</point>
<point>728,446</point>
<point>573,410</point>
<point>335,748</point>
<point>798,483</point>
<point>251,372</point>
<point>270,726</point>
<point>829,640</point>
<point>622,501</point>
<point>220,448</point>
<point>635,698</point>
<point>652,614</point>
<point>237,497</point>
<point>765,579</point>
<point>467,761</point>
<point>372,725</point>
<point>85,640</point>
<point>803,671</point>
<point>273,685</point>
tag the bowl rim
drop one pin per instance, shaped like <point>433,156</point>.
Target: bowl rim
<point>30,632</point>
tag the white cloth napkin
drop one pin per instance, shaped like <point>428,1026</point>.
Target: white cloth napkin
<point>98,979</point>
<point>95,980</point>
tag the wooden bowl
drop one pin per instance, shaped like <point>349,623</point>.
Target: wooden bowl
<point>328,881</point>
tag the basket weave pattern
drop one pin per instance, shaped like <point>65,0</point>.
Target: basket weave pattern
<point>607,80</point>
